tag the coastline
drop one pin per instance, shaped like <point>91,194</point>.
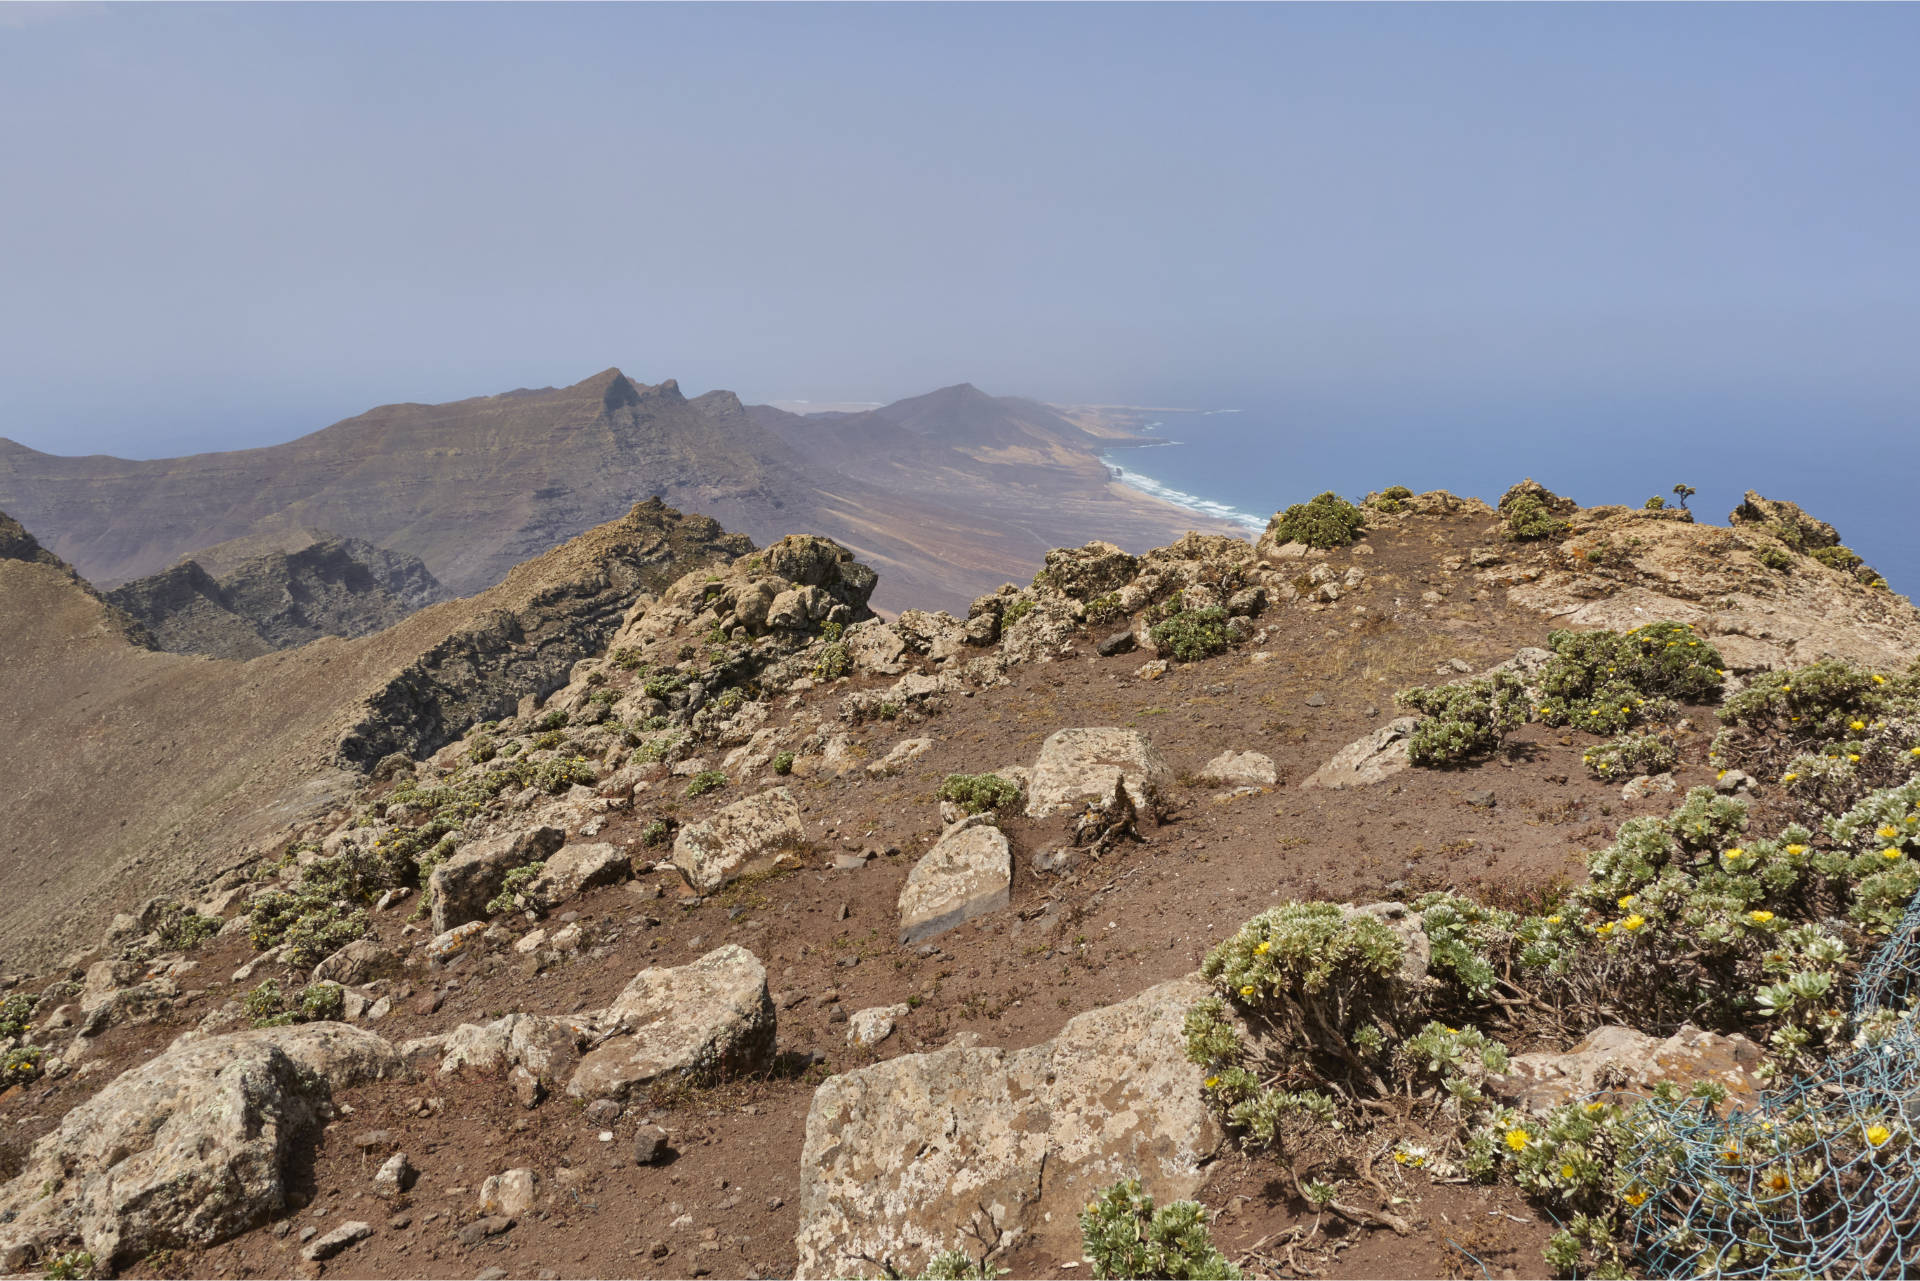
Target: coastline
<point>1198,505</point>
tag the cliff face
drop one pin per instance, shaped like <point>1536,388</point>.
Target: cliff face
<point>331,587</point>
<point>948,494</point>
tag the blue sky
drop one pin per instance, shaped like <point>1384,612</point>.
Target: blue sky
<point>230,225</point>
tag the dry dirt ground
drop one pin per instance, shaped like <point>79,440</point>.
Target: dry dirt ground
<point>725,1205</point>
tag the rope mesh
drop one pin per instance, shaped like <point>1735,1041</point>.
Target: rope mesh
<point>1817,1179</point>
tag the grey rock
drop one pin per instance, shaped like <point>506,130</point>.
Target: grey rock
<point>713,1015</point>
<point>965,874</point>
<point>746,836</point>
<point>510,1194</point>
<point>575,869</point>
<point>1118,643</point>
<point>1077,765</point>
<point>650,1146</point>
<point>1239,769</point>
<point>352,964</point>
<point>395,1177</point>
<point>349,1233</point>
<point>871,1026</point>
<point>463,885</point>
<point>1368,760</point>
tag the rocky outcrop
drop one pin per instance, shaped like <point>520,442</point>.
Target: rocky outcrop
<point>464,884</point>
<point>711,1016</point>
<point>1379,755</point>
<point>746,836</point>
<point>1077,765</point>
<point>576,868</point>
<point>900,1158</point>
<point>967,873</point>
<point>186,1149</point>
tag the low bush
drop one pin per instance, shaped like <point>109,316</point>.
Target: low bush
<point>1391,499</point>
<point>1191,634</point>
<point>663,685</point>
<point>656,833</point>
<point>16,1016</point>
<point>783,763</point>
<point>1015,612</point>
<point>511,886</point>
<point>555,719</point>
<point>711,780</point>
<point>1465,719</point>
<point>1630,754</point>
<point>21,1065</point>
<point>1325,521</point>
<point>1104,609</point>
<point>980,793</point>
<point>268,1006</point>
<point>1526,519</point>
<point>1778,558</point>
<point>1124,1235</point>
<point>835,661</point>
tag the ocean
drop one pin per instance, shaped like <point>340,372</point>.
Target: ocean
<point>1243,463</point>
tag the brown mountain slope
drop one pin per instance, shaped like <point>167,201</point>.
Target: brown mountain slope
<point>129,772</point>
<point>978,487</point>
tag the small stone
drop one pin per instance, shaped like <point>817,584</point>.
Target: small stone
<point>1483,800</point>
<point>530,942</point>
<point>337,1240</point>
<point>650,1146</point>
<point>512,1192</point>
<point>1118,643</point>
<point>400,1222</point>
<point>603,1111</point>
<point>495,1273</point>
<point>395,1177</point>
<point>527,1087</point>
<point>567,938</point>
<point>480,1229</point>
<point>1316,700</point>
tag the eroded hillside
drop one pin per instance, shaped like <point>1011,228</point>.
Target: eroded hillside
<point>783,939</point>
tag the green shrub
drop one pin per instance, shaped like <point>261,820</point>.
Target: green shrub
<point>1325,521</point>
<point>268,1006</point>
<point>783,763</point>
<point>980,793</point>
<point>731,700</point>
<point>711,780</point>
<point>1821,701</point>
<point>1125,1236</point>
<point>73,1265</point>
<point>1630,754</point>
<point>656,833</point>
<point>1656,503</point>
<point>555,719</point>
<point>1775,558</point>
<point>16,1016</point>
<point>548,741</point>
<point>1015,612</point>
<point>1603,681</point>
<point>181,929</point>
<point>511,886</point>
<point>835,661</point>
<point>627,658</point>
<point>1464,719</point>
<point>656,748</point>
<point>663,684</point>
<point>958,1265</point>
<point>1104,609</point>
<point>1191,634</point>
<point>481,748</point>
<point>312,927</point>
<point>1526,518</point>
<point>1391,499</point>
<point>321,1002</point>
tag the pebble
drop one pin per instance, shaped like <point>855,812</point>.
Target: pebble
<point>337,1240</point>
<point>650,1145</point>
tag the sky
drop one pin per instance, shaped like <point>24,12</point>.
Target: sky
<point>1577,231</point>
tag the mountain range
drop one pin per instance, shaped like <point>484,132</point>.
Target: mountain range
<point>947,494</point>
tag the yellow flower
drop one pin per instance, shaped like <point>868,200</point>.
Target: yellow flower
<point>1760,916</point>
<point>1554,919</point>
<point>1856,725</point>
<point>1886,832</point>
<point>1517,1139</point>
<point>1796,849</point>
<point>1889,854</point>
<point>1633,922</point>
<point>1596,1106</point>
<point>1914,752</point>
<point>1736,853</point>
<point>1401,1157</point>
<point>1788,778</point>
<point>1626,900</point>
<point>1566,1171</point>
<point>1247,990</point>
<point>1719,671</point>
<point>1634,1198</point>
<point>1854,757</point>
<point>1603,930</point>
<point>1731,1152</point>
<point>1263,949</point>
<point>1879,680</point>
<point>1211,1081</point>
<point>1878,1134</point>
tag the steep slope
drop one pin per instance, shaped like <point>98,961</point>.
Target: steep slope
<point>328,587</point>
<point>130,771</point>
<point>975,489</point>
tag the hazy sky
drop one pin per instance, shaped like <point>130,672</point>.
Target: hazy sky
<point>232,225</point>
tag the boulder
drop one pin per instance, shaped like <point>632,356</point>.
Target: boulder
<point>1642,786</point>
<point>395,1177</point>
<point>1239,769</point>
<point>511,1193</point>
<point>968,872</point>
<point>875,647</point>
<point>872,1026</point>
<point>543,1044</point>
<point>352,964</point>
<point>1077,765</point>
<point>574,869</point>
<point>465,883</point>
<point>1379,755</point>
<point>1093,570</point>
<point>744,837</point>
<point>938,635</point>
<point>185,1149</point>
<point>902,1157</point>
<point>711,1016</point>
<point>1620,1063</point>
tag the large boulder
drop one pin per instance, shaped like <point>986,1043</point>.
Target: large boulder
<point>709,1017</point>
<point>1379,755</point>
<point>186,1149</point>
<point>1079,765</point>
<point>464,884</point>
<point>901,1158</point>
<point>968,872</point>
<point>1622,1063</point>
<point>746,836</point>
<point>1086,572</point>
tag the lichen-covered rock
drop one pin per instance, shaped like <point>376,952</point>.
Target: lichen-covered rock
<point>1379,755</point>
<point>1086,572</point>
<point>1077,765</point>
<point>352,964</point>
<point>511,1192</point>
<point>544,1045</point>
<point>968,872</point>
<point>711,1016</point>
<point>938,635</point>
<point>464,884</point>
<point>577,868</point>
<point>901,1157</point>
<point>902,753</point>
<point>746,836</point>
<point>185,1149</point>
<point>1622,1063</point>
<point>1239,769</point>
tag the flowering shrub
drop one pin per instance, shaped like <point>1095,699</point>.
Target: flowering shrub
<point>16,1016</point>
<point>1631,754</point>
<point>1606,681</point>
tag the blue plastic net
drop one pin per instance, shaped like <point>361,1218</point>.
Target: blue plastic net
<point>1819,1179</point>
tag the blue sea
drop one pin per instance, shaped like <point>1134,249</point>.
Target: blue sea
<point>1241,463</point>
